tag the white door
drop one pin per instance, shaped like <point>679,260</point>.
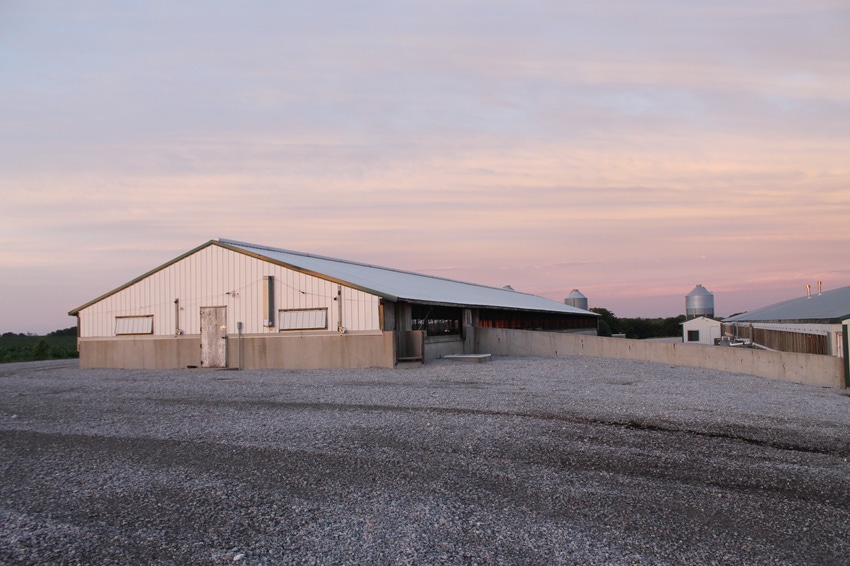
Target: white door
<point>213,337</point>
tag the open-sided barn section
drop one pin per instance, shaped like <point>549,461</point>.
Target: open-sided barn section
<point>234,304</point>
<point>813,324</point>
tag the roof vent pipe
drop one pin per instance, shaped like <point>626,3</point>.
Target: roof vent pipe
<point>819,285</point>
<point>808,291</point>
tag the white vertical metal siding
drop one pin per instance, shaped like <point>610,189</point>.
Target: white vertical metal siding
<point>217,277</point>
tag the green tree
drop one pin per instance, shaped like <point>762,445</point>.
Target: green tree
<point>638,328</point>
<point>70,331</point>
<point>41,350</point>
<point>607,321</point>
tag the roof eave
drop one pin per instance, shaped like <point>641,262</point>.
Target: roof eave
<point>836,320</point>
<point>497,307</point>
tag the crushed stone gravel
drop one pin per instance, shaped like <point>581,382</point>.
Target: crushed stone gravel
<point>568,460</point>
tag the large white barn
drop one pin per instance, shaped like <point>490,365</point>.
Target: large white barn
<point>234,304</point>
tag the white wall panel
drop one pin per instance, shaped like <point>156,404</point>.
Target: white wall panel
<point>214,276</point>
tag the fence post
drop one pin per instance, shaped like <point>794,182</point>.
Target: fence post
<point>846,352</point>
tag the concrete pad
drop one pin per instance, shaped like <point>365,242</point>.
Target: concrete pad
<point>474,358</point>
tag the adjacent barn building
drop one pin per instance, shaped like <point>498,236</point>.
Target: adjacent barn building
<point>234,304</point>
<point>813,324</point>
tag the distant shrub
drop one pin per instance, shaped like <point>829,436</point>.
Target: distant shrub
<point>41,350</point>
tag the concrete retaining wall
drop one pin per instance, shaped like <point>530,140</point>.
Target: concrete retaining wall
<point>266,351</point>
<point>377,350</point>
<point>822,371</point>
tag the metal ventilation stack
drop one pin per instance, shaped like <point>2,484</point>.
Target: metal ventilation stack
<point>576,299</point>
<point>699,302</point>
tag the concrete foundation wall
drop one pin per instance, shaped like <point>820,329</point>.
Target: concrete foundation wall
<point>267,351</point>
<point>314,351</point>
<point>140,352</point>
<point>823,371</point>
<point>439,347</point>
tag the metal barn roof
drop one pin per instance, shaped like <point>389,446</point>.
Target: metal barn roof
<point>391,284</point>
<point>396,285</point>
<point>828,307</point>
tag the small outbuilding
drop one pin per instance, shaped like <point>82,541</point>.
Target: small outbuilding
<point>234,304</point>
<point>701,330</point>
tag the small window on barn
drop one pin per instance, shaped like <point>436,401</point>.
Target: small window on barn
<point>303,319</point>
<point>693,335</point>
<point>133,325</point>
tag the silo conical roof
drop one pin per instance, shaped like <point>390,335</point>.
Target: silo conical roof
<point>576,299</point>
<point>576,294</point>
<point>698,290</point>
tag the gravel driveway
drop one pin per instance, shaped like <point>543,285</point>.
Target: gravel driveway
<point>569,460</point>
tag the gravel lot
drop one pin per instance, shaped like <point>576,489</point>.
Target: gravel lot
<point>519,461</point>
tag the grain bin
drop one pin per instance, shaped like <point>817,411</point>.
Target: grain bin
<point>576,299</point>
<point>699,302</point>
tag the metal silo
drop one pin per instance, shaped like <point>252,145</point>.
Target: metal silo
<point>699,302</point>
<point>576,299</point>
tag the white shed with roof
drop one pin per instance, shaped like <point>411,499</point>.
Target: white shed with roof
<point>701,330</point>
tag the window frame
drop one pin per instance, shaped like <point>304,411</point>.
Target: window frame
<point>134,325</point>
<point>284,325</point>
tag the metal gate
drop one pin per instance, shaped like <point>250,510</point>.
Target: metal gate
<point>214,337</point>
<point>410,346</point>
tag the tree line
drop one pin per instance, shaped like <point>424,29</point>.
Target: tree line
<point>638,328</point>
<point>56,345</point>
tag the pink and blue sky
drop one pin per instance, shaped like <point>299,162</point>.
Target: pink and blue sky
<point>627,149</point>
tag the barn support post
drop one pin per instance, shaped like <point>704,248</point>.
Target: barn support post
<point>340,328</point>
<point>239,345</point>
<point>268,301</point>
<point>177,317</point>
<point>846,340</point>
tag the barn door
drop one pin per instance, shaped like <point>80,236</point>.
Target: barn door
<point>213,337</point>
